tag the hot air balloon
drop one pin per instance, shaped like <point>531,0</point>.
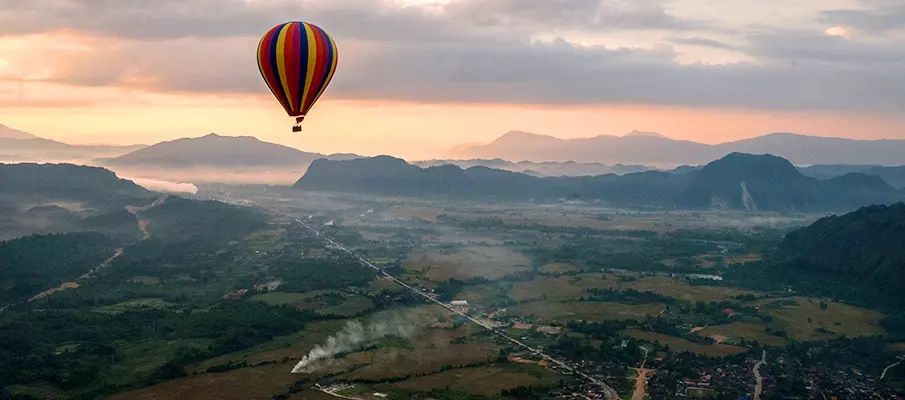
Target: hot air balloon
<point>297,60</point>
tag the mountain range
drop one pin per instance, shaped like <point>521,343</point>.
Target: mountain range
<point>218,151</point>
<point>654,149</point>
<point>17,145</point>
<point>736,181</point>
<point>568,168</point>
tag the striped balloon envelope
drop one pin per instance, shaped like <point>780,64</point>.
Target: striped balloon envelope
<point>297,60</point>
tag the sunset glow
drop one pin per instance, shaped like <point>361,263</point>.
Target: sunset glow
<point>80,81</point>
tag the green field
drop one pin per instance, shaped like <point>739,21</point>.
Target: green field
<point>838,319</point>
<point>680,344</point>
<point>545,311</point>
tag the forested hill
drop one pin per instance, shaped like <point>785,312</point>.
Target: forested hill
<point>66,181</point>
<point>180,218</point>
<point>864,248</point>
<point>857,257</point>
<point>736,181</point>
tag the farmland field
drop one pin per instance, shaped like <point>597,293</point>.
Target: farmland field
<point>481,380</point>
<point>473,261</point>
<point>589,311</point>
<point>742,330</point>
<point>680,344</point>
<point>836,320</point>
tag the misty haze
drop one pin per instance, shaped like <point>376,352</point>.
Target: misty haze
<point>452,200</point>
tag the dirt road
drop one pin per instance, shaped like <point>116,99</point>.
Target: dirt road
<point>759,387</point>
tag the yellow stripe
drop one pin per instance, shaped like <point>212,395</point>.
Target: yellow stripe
<point>312,62</point>
<point>281,64</point>
<point>330,72</point>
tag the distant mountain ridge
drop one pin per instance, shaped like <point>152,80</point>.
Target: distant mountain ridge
<point>26,146</point>
<point>219,151</point>
<point>10,133</point>
<point>654,149</point>
<point>736,181</point>
<point>568,168</point>
<point>895,176</point>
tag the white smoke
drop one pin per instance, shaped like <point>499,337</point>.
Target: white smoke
<point>353,336</point>
<point>747,199</point>
<point>165,186</point>
<point>273,285</point>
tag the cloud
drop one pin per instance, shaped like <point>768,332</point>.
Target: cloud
<point>477,51</point>
<point>699,41</point>
<point>787,45</point>
<point>884,17</point>
<point>596,15</point>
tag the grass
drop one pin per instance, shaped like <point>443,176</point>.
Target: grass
<point>840,319</point>
<point>682,290</point>
<point>146,280</point>
<point>473,261</point>
<point>680,344</point>
<point>390,362</point>
<point>353,305</point>
<point>741,259</point>
<point>240,384</point>
<point>293,346</point>
<point>483,295</point>
<point>571,287</point>
<point>547,312</point>
<point>133,305</point>
<point>322,301</point>
<point>140,359</point>
<point>557,268</point>
<point>485,381</point>
<point>561,288</point>
<point>743,330</point>
<point>311,394</point>
<point>302,301</point>
<point>898,346</point>
<point>416,212</point>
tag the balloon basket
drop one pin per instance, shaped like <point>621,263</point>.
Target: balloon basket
<point>297,128</point>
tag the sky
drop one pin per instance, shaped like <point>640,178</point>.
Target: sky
<point>416,77</point>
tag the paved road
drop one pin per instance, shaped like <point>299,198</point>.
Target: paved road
<point>610,392</point>
<point>883,375</point>
<point>759,387</point>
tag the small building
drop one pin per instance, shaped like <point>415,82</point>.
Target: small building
<point>459,303</point>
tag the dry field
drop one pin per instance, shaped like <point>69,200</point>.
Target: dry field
<point>241,384</point>
<point>680,344</point>
<point>485,381</point>
<point>572,287</point>
<point>547,311</point>
<point>743,330</point>
<point>841,319</point>
<point>473,261</point>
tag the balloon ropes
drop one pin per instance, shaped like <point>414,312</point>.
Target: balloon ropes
<point>297,60</point>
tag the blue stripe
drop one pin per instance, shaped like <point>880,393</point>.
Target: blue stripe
<point>303,64</point>
<point>329,64</point>
<point>275,66</point>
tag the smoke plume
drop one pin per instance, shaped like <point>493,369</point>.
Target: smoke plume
<point>165,186</point>
<point>353,336</point>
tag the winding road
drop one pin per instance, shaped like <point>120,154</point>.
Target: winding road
<point>641,381</point>
<point>759,387</point>
<point>883,375</point>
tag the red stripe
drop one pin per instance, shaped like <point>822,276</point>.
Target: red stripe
<point>292,52</point>
<point>267,64</point>
<point>320,68</point>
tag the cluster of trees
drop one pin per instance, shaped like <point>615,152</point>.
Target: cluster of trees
<point>627,296</point>
<point>36,263</point>
<point>30,343</point>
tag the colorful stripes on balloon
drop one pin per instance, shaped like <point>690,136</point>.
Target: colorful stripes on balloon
<point>297,60</point>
